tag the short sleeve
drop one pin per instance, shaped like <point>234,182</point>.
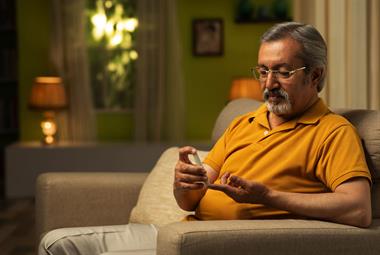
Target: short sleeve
<point>341,158</point>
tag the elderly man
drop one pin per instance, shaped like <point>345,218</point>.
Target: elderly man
<point>291,158</point>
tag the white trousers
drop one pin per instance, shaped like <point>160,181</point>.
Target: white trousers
<point>131,239</point>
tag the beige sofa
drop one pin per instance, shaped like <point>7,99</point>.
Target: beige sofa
<point>88,199</point>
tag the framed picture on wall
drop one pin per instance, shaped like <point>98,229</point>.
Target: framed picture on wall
<point>208,37</point>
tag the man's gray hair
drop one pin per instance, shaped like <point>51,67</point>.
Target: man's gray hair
<point>314,50</point>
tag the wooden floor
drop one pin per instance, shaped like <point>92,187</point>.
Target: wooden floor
<point>17,227</point>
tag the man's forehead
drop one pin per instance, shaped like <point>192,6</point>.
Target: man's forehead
<point>283,52</point>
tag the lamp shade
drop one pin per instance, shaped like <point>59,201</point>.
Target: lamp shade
<point>245,88</point>
<point>48,93</point>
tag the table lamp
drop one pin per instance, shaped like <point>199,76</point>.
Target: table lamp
<point>245,88</point>
<point>48,95</point>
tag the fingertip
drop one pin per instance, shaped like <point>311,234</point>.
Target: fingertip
<point>235,178</point>
<point>187,149</point>
<point>237,181</point>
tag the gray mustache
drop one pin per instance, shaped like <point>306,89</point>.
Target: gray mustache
<point>276,92</point>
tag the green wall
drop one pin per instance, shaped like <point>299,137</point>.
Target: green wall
<point>207,79</point>
<point>114,126</point>
<point>33,28</point>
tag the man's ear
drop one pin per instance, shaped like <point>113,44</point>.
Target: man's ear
<point>316,75</point>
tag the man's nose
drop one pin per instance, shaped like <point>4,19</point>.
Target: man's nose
<point>271,82</point>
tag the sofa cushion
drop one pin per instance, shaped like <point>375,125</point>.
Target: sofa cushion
<point>156,203</point>
<point>284,237</point>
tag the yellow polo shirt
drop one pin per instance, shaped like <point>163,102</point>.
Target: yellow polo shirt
<point>311,154</point>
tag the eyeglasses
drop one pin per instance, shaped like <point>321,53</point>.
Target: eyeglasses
<point>262,73</point>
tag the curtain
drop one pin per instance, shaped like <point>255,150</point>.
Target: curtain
<point>351,30</point>
<point>69,58</point>
<point>374,54</point>
<point>159,97</point>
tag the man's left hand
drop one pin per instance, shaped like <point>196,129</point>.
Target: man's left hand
<point>242,190</point>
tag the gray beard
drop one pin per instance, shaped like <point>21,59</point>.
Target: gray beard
<point>284,107</point>
<point>279,109</point>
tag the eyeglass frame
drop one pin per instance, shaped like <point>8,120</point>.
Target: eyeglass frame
<point>275,72</point>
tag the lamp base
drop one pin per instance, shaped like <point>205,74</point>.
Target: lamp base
<point>49,128</point>
<point>48,140</point>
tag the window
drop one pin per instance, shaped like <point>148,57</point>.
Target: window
<point>111,34</point>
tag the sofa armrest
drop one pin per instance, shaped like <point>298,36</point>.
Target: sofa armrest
<point>266,237</point>
<point>85,199</point>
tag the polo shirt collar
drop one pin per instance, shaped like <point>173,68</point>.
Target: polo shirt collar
<point>311,116</point>
<point>314,113</point>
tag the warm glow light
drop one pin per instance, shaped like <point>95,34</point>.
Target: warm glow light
<point>133,55</point>
<point>116,39</point>
<point>125,58</point>
<point>119,26</point>
<point>109,28</point>
<point>48,95</point>
<point>130,24</point>
<point>49,139</point>
<point>108,4</point>
<point>97,34</point>
<point>99,20</point>
<point>127,41</point>
<point>48,127</point>
<point>111,67</point>
<point>245,87</point>
<point>112,28</point>
<point>119,10</point>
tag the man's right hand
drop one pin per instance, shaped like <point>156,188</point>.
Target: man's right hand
<point>188,176</point>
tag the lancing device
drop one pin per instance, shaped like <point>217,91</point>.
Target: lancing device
<point>199,162</point>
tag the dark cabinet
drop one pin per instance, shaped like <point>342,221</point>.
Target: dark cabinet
<point>9,131</point>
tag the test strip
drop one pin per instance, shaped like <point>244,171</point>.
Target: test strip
<point>197,159</point>
<point>199,162</point>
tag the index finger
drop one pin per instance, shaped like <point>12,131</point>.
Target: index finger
<point>236,181</point>
<point>184,153</point>
<point>222,187</point>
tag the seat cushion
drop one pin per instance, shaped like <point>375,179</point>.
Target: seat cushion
<point>156,203</point>
<point>284,237</point>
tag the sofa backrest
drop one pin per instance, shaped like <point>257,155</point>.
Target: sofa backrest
<point>367,123</point>
<point>233,109</point>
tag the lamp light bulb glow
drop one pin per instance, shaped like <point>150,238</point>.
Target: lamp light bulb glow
<point>49,139</point>
<point>48,127</point>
